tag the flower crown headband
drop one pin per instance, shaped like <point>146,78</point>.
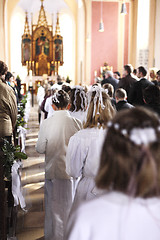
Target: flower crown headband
<point>139,136</point>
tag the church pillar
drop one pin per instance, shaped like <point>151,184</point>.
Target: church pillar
<point>157,35</point>
<point>10,7</point>
<point>88,19</point>
<point>121,34</point>
<point>133,32</point>
<point>152,20</point>
<point>2,30</point>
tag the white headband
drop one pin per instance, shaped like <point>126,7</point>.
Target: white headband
<point>139,136</point>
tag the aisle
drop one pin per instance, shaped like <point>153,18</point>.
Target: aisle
<point>30,225</point>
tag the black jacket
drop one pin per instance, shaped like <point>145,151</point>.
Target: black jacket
<point>136,93</point>
<point>153,107</point>
<point>112,81</point>
<point>123,105</point>
<point>126,83</point>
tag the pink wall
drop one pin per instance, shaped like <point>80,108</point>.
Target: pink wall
<point>105,45</point>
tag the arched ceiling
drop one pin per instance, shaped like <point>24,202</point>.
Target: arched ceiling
<point>50,6</point>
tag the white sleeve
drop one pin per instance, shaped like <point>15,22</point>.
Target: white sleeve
<point>76,156</point>
<point>42,141</point>
<point>47,104</point>
<point>78,227</point>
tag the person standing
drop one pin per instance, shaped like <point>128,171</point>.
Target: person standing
<point>135,96</point>
<point>127,81</point>
<point>53,139</point>
<point>129,174</point>
<point>110,79</point>
<point>8,116</point>
<point>83,153</point>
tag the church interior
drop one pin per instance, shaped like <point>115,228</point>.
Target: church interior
<point>74,40</point>
<point>132,38</point>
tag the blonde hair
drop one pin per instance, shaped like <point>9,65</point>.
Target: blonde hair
<point>102,115</point>
<point>153,71</point>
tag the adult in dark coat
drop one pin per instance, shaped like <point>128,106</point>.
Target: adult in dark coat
<point>127,81</point>
<point>121,100</point>
<point>151,97</point>
<point>110,79</point>
<point>136,94</point>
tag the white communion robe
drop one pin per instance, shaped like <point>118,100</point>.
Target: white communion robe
<point>82,160</point>
<point>53,139</point>
<point>81,115</point>
<point>115,216</point>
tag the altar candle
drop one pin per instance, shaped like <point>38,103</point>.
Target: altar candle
<point>55,66</point>
<point>95,73</point>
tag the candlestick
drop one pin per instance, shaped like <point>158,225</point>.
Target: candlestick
<point>95,73</point>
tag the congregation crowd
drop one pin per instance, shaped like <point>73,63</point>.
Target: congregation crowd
<point>96,155</point>
<point>102,154</point>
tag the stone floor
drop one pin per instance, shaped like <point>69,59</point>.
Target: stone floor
<point>30,224</point>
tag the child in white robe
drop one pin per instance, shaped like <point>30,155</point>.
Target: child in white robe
<point>129,172</point>
<point>53,139</point>
<point>84,147</point>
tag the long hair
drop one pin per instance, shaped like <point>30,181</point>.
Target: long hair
<point>102,115</point>
<point>78,99</point>
<point>126,166</point>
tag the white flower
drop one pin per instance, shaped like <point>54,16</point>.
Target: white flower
<point>116,126</point>
<point>143,136</point>
<point>124,132</point>
<point>109,124</point>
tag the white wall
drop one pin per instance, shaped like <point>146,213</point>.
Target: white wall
<point>16,32</point>
<point>81,42</point>
<point>143,33</point>
<point>68,31</point>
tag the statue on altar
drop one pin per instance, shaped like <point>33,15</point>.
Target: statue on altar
<point>42,46</point>
<point>41,51</point>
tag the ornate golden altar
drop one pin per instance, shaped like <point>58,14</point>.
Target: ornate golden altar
<point>42,52</point>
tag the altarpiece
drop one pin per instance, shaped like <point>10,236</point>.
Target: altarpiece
<point>41,51</point>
